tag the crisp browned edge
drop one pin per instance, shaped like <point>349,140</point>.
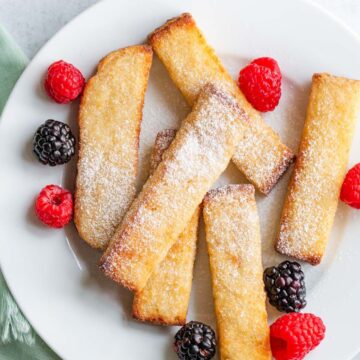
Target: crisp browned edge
<point>225,97</point>
<point>164,133</point>
<point>184,20</point>
<point>105,263</point>
<point>228,189</point>
<point>218,193</point>
<point>324,75</point>
<point>187,20</point>
<point>313,259</point>
<point>157,320</point>
<point>145,49</point>
<point>156,152</point>
<point>178,21</point>
<point>278,172</point>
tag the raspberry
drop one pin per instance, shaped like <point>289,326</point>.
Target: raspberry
<point>63,82</point>
<point>54,206</point>
<point>260,81</point>
<point>350,190</point>
<point>294,335</point>
<point>269,63</point>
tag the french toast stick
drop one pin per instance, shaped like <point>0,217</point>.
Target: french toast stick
<point>109,121</point>
<point>314,188</point>
<point>200,152</point>
<point>165,298</point>
<point>234,246</point>
<point>191,63</point>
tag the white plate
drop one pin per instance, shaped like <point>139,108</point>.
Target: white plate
<point>53,274</point>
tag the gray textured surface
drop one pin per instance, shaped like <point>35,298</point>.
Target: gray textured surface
<point>33,22</point>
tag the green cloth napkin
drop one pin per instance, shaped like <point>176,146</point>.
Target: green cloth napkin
<point>18,341</point>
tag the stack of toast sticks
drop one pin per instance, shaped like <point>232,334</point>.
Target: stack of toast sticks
<point>150,240</point>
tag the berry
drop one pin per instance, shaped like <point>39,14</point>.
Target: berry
<point>294,335</point>
<point>54,143</point>
<point>269,63</point>
<point>54,206</point>
<point>195,341</point>
<point>350,190</point>
<point>63,82</point>
<point>260,81</point>
<point>285,286</point>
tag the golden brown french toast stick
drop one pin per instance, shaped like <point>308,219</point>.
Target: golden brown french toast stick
<point>191,63</point>
<point>109,121</point>
<point>165,297</point>
<point>200,152</point>
<point>234,246</point>
<point>314,188</point>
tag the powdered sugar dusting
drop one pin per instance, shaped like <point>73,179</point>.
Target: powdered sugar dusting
<point>314,190</point>
<point>112,192</point>
<point>165,298</point>
<point>109,120</point>
<point>200,152</point>
<point>261,156</point>
<point>234,245</point>
<point>162,143</point>
<point>233,226</point>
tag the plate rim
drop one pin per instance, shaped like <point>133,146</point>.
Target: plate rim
<point>315,7</point>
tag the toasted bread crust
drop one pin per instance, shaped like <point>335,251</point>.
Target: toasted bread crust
<point>234,246</point>
<point>313,193</point>
<point>109,142</point>
<point>162,142</point>
<point>184,19</point>
<point>199,153</point>
<point>165,297</point>
<point>227,190</point>
<point>260,155</point>
<point>158,320</point>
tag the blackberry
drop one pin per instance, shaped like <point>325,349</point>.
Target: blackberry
<point>54,143</point>
<point>195,341</point>
<point>285,286</point>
